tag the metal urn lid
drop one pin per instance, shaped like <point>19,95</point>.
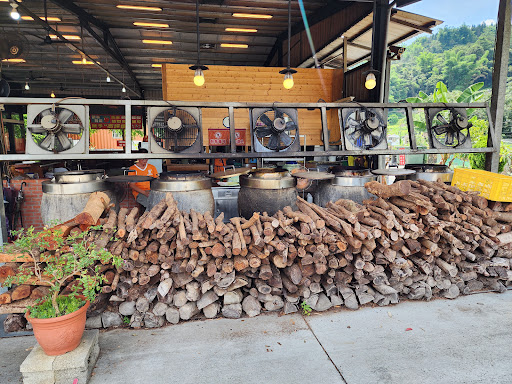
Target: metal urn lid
<point>181,182</point>
<point>275,180</point>
<point>269,173</point>
<point>84,176</point>
<point>431,172</point>
<point>351,176</point>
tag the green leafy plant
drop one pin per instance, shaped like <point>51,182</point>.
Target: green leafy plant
<point>126,320</point>
<point>59,259</point>
<point>45,310</point>
<point>306,309</point>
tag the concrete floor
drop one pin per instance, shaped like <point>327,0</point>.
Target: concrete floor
<point>467,340</point>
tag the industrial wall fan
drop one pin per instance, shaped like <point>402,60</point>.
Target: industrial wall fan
<point>175,130</point>
<point>13,46</point>
<point>364,128</point>
<point>275,130</point>
<point>57,129</point>
<point>448,128</point>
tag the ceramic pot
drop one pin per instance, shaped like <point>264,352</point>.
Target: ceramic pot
<point>61,334</point>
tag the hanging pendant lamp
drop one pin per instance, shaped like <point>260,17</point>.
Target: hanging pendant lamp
<point>288,72</point>
<point>198,68</point>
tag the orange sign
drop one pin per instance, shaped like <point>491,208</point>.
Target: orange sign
<point>218,137</point>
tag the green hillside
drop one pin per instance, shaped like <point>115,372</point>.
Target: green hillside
<point>458,57</point>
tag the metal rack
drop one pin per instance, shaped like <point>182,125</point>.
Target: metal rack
<point>231,106</point>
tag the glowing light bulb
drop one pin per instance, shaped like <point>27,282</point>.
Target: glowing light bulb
<point>199,77</point>
<point>108,78</point>
<point>84,60</point>
<point>288,81</point>
<point>27,87</point>
<point>52,94</point>
<point>123,90</point>
<point>371,81</point>
<point>14,13</point>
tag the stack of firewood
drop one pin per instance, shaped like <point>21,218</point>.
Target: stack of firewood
<point>415,240</point>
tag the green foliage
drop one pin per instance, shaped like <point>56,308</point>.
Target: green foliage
<point>306,309</point>
<point>456,56</point>
<point>135,132</point>
<point>59,259</point>
<point>477,160</point>
<point>126,320</point>
<point>67,305</point>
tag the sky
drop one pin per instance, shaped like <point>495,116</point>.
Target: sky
<point>457,12</point>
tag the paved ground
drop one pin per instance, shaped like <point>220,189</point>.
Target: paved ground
<point>467,340</point>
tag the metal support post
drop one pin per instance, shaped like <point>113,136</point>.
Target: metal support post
<point>128,128</point>
<point>381,15</point>
<point>232,135</point>
<point>499,83</point>
<point>3,222</point>
<point>325,128</point>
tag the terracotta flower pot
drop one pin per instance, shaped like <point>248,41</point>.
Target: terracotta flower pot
<point>19,143</point>
<point>60,334</point>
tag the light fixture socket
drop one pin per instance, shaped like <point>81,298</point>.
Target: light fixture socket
<point>287,70</point>
<point>14,13</point>
<point>198,66</point>
<point>27,87</point>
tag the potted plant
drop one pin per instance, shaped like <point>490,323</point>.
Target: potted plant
<point>59,321</point>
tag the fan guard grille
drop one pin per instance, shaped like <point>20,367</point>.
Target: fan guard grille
<point>175,140</point>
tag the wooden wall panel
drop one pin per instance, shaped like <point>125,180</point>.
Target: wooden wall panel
<point>254,84</point>
<point>322,33</point>
<point>354,83</point>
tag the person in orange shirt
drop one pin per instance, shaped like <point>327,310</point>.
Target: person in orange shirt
<point>141,190</point>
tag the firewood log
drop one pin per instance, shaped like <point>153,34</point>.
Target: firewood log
<point>97,203</point>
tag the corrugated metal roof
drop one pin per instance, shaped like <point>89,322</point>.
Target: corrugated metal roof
<point>49,67</point>
<point>403,26</point>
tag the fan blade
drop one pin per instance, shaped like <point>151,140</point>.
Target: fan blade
<point>64,141</point>
<point>285,139</point>
<point>442,119</point>
<point>36,128</point>
<point>265,119</point>
<point>376,134</point>
<point>46,112</point>
<point>262,132</point>
<point>279,113</point>
<point>65,115</point>
<point>368,142</point>
<point>273,142</point>
<point>441,129</point>
<point>357,134</point>
<point>449,139</point>
<point>290,125</point>
<point>48,143</point>
<point>72,128</point>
